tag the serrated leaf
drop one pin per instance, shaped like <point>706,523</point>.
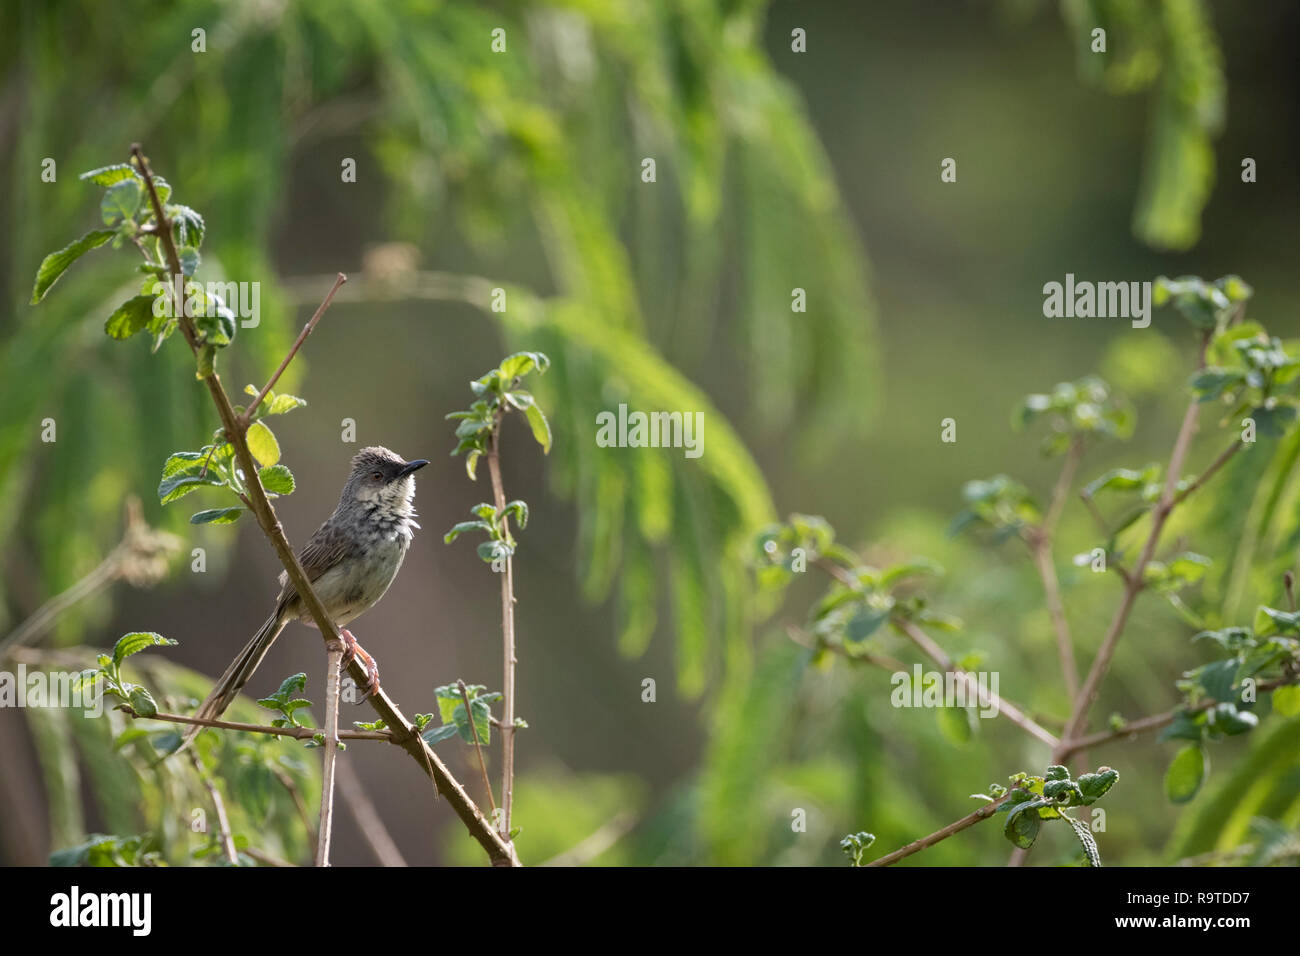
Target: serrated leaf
<point>138,641</point>
<point>181,484</point>
<point>132,316</point>
<point>187,226</point>
<point>56,263</point>
<point>1086,840</point>
<point>121,201</point>
<point>293,684</point>
<point>109,175</point>
<point>277,479</point>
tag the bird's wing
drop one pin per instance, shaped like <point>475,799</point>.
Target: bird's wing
<point>323,550</point>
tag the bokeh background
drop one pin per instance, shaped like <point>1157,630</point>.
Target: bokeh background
<point>775,170</point>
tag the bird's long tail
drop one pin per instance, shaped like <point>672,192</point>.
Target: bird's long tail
<point>236,676</point>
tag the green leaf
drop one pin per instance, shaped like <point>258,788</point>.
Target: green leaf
<point>138,641</point>
<point>189,258</point>
<point>439,734</point>
<point>489,551</point>
<point>1093,786</point>
<point>284,403</point>
<point>180,460</point>
<point>56,263</point>
<point>109,175</point>
<point>1185,774</point>
<point>519,509</point>
<point>179,485</point>
<point>142,702</point>
<point>464,526</point>
<point>540,426</point>
<point>956,723</point>
<point>1286,700</point>
<point>277,479</point>
<point>132,316</point>
<point>1023,823</point>
<point>121,201</point>
<point>217,516</point>
<point>293,684</point>
<point>521,363</point>
<point>262,443</point>
<point>187,226</point>
<point>1086,840</point>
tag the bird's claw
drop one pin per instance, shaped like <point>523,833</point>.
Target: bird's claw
<point>354,651</point>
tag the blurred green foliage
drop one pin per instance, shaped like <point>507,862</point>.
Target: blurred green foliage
<point>484,155</point>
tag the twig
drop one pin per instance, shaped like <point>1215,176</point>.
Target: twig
<point>1133,582</point>
<point>298,733</point>
<point>984,696</point>
<point>478,746</point>
<point>508,644</point>
<point>983,813</point>
<point>333,688</point>
<point>1208,473</point>
<point>367,817</point>
<point>299,804</point>
<point>266,859</point>
<point>927,644</point>
<point>884,662</point>
<point>1070,747</point>
<point>406,735</point>
<point>302,337</point>
<point>219,807</point>
<point>140,557</point>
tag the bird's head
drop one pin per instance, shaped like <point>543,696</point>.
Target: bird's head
<point>382,478</point>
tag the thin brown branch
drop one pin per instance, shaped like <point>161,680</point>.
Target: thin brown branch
<point>247,416</point>
<point>983,813</point>
<point>298,733</point>
<point>299,804</point>
<point>266,859</point>
<point>509,660</point>
<point>1206,475</point>
<point>984,696</point>
<point>333,689</point>
<point>224,836</point>
<point>1133,583</point>
<point>478,745</point>
<point>406,735</point>
<point>1156,721</point>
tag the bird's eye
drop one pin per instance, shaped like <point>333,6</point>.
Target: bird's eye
<point>377,476</point>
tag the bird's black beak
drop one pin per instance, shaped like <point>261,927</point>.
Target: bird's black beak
<point>412,466</point>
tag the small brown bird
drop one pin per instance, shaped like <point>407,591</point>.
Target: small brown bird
<point>350,560</point>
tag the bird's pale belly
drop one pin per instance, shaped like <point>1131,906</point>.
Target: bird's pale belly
<point>353,585</point>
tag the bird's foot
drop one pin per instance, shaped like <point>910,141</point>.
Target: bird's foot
<point>354,651</point>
